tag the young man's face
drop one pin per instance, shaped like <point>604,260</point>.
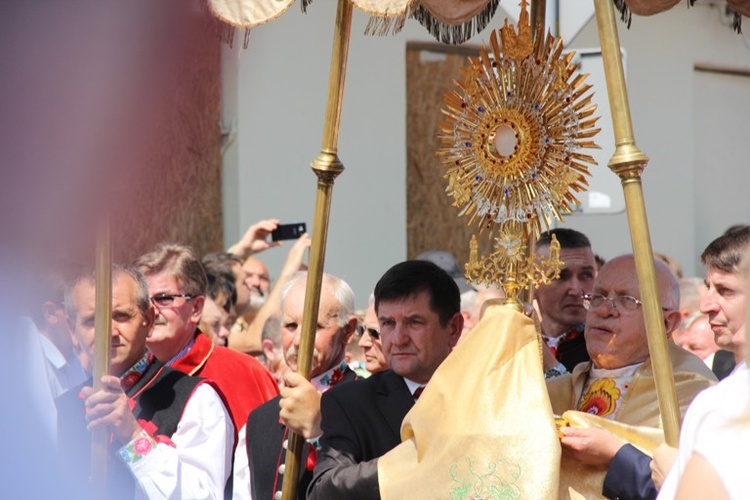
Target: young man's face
<point>725,305</point>
<point>560,302</point>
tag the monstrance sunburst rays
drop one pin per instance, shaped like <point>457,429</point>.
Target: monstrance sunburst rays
<point>514,130</point>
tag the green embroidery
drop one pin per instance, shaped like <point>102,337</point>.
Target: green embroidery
<point>497,481</point>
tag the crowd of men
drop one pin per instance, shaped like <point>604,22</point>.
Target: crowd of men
<point>203,388</point>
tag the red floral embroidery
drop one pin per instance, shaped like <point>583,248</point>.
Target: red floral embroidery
<point>601,398</point>
<point>336,376</point>
<point>142,446</point>
<point>130,379</point>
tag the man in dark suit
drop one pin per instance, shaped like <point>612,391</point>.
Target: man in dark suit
<point>560,303</point>
<point>261,451</point>
<point>418,308</point>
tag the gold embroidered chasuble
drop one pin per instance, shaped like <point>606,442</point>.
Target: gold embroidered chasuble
<point>483,427</point>
<point>637,420</point>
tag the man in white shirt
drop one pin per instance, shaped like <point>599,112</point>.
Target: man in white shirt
<point>171,436</point>
<point>725,259</point>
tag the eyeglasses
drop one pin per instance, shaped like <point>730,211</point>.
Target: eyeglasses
<point>168,299</point>
<point>372,332</point>
<point>624,303</point>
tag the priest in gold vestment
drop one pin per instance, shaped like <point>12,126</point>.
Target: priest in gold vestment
<point>618,385</point>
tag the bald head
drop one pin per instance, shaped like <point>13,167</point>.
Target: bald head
<point>667,284</point>
<point>616,336</point>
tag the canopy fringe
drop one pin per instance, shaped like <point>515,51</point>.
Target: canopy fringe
<point>625,15</point>
<point>456,34</point>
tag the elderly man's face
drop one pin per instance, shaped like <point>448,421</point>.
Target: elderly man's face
<point>724,303</point>
<point>370,341</point>
<point>130,327</point>
<point>330,338</point>
<point>698,338</point>
<point>615,337</point>
<point>177,317</point>
<point>257,281</point>
<point>560,302</point>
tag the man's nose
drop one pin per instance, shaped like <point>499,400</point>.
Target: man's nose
<point>223,332</point>
<point>399,335</point>
<point>365,341</point>
<point>577,287</point>
<point>606,308</point>
<point>708,302</point>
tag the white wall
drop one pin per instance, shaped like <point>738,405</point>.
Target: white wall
<point>281,87</point>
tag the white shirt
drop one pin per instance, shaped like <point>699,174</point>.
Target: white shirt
<point>62,373</point>
<point>199,464</point>
<point>710,428</point>
<point>33,362</point>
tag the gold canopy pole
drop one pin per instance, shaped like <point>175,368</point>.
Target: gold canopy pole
<point>326,167</point>
<point>538,16</point>
<point>628,163</point>
<point>102,346</point>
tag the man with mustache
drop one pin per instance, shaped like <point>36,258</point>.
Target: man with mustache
<point>418,306</point>
<point>177,284</point>
<point>171,435</point>
<point>259,466</point>
<point>560,304</point>
<point>259,300</point>
<point>618,383</point>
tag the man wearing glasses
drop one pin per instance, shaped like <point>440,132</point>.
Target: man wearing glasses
<point>618,383</point>
<point>170,434</point>
<point>177,285</point>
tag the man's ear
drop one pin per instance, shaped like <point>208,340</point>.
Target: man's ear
<point>456,326</point>
<point>672,320</point>
<point>49,310</point>
<point>268,348</point>
<point>197,311</point>
<point>350,328</point>
<point>149,320</point>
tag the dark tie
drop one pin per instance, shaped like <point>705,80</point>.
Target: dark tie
<point>418,392</point>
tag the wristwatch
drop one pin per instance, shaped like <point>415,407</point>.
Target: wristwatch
<point>555,371</point>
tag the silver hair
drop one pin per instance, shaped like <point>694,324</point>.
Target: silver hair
<point>342,292</point>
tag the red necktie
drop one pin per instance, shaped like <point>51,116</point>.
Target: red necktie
<point>418,392</point>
